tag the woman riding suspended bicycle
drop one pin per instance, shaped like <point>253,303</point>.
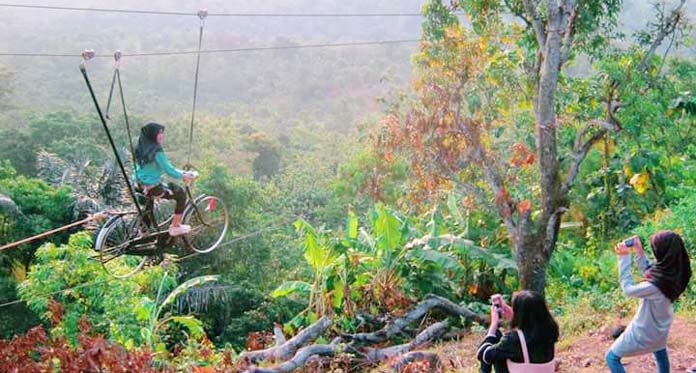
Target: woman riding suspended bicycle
<point>151,162</point>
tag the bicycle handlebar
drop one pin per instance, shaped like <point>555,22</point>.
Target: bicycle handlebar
<point>193,174</point>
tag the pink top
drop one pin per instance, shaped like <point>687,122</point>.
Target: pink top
<point>528,367</point>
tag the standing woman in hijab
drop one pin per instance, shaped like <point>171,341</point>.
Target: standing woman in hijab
<point>151,162</point>
<point>665,281</point>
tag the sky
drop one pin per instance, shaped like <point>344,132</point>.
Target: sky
<point>333,85</point>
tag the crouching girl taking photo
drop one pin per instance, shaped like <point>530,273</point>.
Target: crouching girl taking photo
<point>529,346</point>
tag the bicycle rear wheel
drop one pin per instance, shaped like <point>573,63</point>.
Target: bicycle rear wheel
<point>113,242</point>
<point>209,222</point>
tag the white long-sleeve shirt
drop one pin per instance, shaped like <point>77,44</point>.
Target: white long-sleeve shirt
<point>648,330</point>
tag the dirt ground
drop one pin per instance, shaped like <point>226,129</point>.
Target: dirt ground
<point>584,353</point>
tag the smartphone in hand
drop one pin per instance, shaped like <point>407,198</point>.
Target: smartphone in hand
<point>497,301</point>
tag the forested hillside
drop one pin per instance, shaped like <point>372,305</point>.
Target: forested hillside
<point>355,206</point>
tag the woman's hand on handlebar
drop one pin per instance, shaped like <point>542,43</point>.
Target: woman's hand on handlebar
<point>189,176</point>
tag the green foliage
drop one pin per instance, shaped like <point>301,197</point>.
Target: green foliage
<point>438,17</point>
<point>366,178</point>
<point>37,207</point>
<point>650,165</point>
<point>239,309</point>
<point>389,259</point>
<point>363,243</point>
<point>290,287</point>
<point>679,218</point>
<point>580,269</point>
<point>151,311</point>
<point>75,138</point>
<point>268,160</point>
<point>110,305</point>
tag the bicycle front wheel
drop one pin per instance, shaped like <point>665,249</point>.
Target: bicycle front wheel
<point>209,221</point>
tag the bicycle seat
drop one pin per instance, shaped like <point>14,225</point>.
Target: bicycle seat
<point>144,198</point>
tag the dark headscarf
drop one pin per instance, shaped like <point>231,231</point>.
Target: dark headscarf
<point>672,271</point>
<point>147,143</point>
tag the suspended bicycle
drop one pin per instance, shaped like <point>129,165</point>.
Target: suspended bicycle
<point>130,240</point>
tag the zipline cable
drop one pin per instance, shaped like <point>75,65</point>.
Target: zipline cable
<point>225,14</point>
<point>244,237</point>
<point>214,51</point>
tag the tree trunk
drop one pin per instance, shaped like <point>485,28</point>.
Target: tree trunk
<point>532,266</point>
<point>536,241</point>
<point>534,249</point>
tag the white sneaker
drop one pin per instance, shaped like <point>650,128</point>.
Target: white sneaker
<point>180,230</point>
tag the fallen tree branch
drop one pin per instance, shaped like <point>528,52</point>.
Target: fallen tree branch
<point>416,313</point>
<point>278,335</point>
<point>433,360</point>
<point>287,349</point>
<point>300,358</point>
<point>431,333</point>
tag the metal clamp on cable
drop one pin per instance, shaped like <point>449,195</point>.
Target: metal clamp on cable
<point>202,14</point>
<point>87,55</point>
<point>117,59</point>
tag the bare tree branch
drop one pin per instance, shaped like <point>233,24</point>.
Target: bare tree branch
<point>664,30</point>
<point>431,333</point>
<point>505,207</point>
<point>570,11</point>
<point>518,12</point>
<point>416,313</point>
<point>300,358</point>
<point>579,156</point>
<point>538,26</point>
<point>288,348</point>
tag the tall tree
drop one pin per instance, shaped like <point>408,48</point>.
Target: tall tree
<point>482,90</point>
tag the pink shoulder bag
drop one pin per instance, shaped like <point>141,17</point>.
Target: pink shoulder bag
<point>528,367</point>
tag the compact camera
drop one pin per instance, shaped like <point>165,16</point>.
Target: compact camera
<point>497,301</point>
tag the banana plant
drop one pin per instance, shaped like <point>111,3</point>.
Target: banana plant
<point>153,310</point>
<point>322,259</point>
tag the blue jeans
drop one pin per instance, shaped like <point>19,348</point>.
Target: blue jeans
<point>615,366</point>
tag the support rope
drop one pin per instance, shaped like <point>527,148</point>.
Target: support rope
<point>97,217</point>
<point>201,14</point>
<point>87,55</point>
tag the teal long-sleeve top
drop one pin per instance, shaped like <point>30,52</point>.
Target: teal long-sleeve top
<point>151,173</point>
